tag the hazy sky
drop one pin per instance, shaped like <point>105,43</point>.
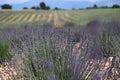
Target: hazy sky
<point>67,4</point>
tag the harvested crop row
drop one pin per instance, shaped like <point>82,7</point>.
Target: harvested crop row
<point>43,17</point>
<point>60,18</point>
<point>55,23</point>
<point>13,19</point>
<point>20,18</point>
<point>3,19</point>
<point>8,19</point>
<point>49,17</point>
<point>37,17</point>
<point>32,18</point>
<point>26,18</point>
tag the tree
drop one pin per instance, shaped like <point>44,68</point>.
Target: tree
<point>6,6</point>
<point>47,8</point>
<point>104,7</point>
<point>37,8</point>
<point>25,8</point>
<point>89,8</point>
<point>33,7</point>
<point>95,6</point>
<point>56,8</point>
<point>115,6</point>
<point>73,9</point>
<point>43,5</point>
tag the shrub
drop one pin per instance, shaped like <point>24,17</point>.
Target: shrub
<point>76,37</point>
<point>69,24</point>
<point>106,44</point>
<point>4,55</point>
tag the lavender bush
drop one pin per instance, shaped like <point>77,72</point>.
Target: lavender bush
<point>50,53</point>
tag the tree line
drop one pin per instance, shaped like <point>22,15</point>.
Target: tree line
<point>43,6</point>
<point>95,6</point>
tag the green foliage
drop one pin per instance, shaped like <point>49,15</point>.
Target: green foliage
<point>43,5</point>
<point>36,8</point>
<point>104,7</point>
<point>95,6</point>
<point>56,8</point>
<point>4,52</point>
<point>33,7</point>
<point>77,37</point>
<point>106,44</point>
<point>6,6</point>
<point>69,24</point>
<point>25,8</point>
<point>45,54</point>
<point>47,7</point>
<point>115,6</point>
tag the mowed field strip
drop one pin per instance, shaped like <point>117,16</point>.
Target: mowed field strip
<point>37,18</point>
<point>59,18</point>
<point>8,18</point>
<point>13,20</point>
<point>49,17</point>
<point>32,18</point>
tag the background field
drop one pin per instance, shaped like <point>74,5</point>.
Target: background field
<point>58,18</point>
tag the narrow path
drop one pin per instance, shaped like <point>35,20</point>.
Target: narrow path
<point>49,17</point>
<point>55,23</point>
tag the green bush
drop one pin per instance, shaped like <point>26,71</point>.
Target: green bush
<point>107,45</point>
<point>4,52</point>
<point>69,24</point>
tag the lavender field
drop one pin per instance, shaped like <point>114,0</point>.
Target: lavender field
<point>41,52</point>
<point>59,39</point>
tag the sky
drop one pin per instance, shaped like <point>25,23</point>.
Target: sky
<point>66,4</point>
